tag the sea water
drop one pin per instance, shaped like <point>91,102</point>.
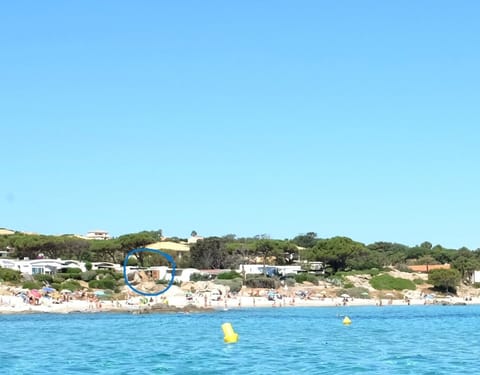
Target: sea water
<point>380,340</point>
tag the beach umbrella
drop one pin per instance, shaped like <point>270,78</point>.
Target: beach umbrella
<point>389,294</point>
<point>364,293</point>
<point>344,295</point>
<point>99,293</point>
<point>66,291</point>
<point>48,289</point>
<point>35,293</point>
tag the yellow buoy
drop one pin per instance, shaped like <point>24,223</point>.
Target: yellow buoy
<point>346,321</point>
<point>230,336</point>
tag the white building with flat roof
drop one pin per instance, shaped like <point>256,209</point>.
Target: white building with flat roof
<point>41,266</point>
<point>97,235</point>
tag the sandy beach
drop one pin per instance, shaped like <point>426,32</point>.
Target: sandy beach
<point>15,305</point>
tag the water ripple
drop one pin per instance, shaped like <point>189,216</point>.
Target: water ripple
<point>388,340</point>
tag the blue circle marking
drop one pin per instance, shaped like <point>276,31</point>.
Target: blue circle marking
<point>146,249</point>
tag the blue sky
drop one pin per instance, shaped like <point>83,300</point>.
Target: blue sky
<point>344,118</point>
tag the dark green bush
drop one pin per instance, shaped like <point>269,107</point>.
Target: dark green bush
<point>262,282</point>
<point>57,279</point>
<point>235,285</point>
<point>117,275</point>
<point>88,266</point>
<point>132,261</point>
<point>32,285</point>
<point>419,281</point>
<point>199,277</point>
<point>71,285</point>
<point>43,277</point>
<point>301,277</point>
<point>73,270</point>
<point>229,275</point>
<point>10,275</point>
<point>387,282</point>
<point>72,275</point>
<point>105,283</point>
<point>88,275</point>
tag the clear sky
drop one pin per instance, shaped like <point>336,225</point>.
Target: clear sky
<point>353,118</point>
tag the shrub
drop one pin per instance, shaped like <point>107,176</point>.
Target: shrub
<point>476,285</point>
<point>32,285</point>
<point>43,277</point>
<point>262,282</point>
<point>71,285</point>
<point>229,275</point>
<point>419,281</point>
<point>105,283</point>
<point>117,275</point>
<point>69,275</point>
<point>199,277</point>
<point>56,286</point>
<point>132,261</point>
<point>382,282</point>
<point>348,285</point>
<point>235,285</point>
<point>88,266</point>
<point>88,275</point>
<point>71,270</point>
<point>57,279</point>
<point>301,277</point>
<point>9,275</point>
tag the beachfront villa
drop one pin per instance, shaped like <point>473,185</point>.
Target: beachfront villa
<point>257,269</point>
<point>41,266</point>
<point>97,235</point>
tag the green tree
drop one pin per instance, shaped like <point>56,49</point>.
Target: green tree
<point>335,252</point>
<point>306,240</point>
<point>209,253</point>
<point>265,249</point>
<point>444,279</point>
<point>465,262</point>
<point>77,247</point>
<point>426,245</point>
<point>133,241</point>
<point>105,250</point>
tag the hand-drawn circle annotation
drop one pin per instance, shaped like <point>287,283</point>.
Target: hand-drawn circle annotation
<point>168,257</point>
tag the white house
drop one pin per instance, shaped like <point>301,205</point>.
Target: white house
<point>257,269</point>
<point>97,235</point>
<point>106,266</point>
<point>475,277</point>
<point>41,266</point>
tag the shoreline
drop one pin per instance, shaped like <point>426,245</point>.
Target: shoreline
<point>183,307</point>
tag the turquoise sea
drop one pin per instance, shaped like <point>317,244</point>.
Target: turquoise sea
<point>380,340</point>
